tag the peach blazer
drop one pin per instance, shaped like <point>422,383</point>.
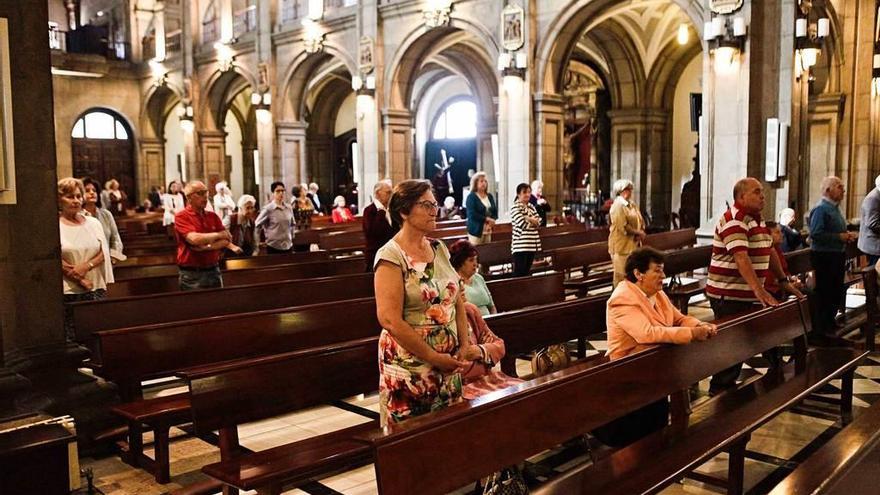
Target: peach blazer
<point>635,324</point>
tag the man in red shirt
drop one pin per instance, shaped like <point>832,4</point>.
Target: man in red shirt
<point>201,238</point>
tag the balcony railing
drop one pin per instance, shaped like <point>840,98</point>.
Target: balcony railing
<point>292,10</point>
<point>173,41</point>
<point>92,40</point>
<point>210,31</point>
<point>244,21</point>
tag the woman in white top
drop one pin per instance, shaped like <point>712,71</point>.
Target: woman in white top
<point>224,205</point>
<point>172,202</point>
<point>85,252</point>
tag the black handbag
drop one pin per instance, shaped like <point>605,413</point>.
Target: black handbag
<point>508,481</point>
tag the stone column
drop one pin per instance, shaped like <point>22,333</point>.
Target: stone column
<point>367,112</point>
<point>291,139</point>
<point>398,126</point>
<point>226,32</point>
<point>36,353</point>
<point>549,147</point>
<point>486,128</point>
<point>513,119</point>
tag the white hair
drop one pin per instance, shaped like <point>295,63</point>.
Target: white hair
<point>877,182</point>
<point>537,184</point>
<point>379,185</point>
<point>338,201</point>
<point>449,202</point>
<point>220,186</point>
<point>828,183</point>
<point>620,185</point>
<point>786,216</point>
<point>245,199</point>
<point>313,186</point>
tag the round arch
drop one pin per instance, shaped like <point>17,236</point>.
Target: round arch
<point>103,148</point>
<point>301,71</point>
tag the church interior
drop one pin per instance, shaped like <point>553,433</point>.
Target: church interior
<point>310,119</point>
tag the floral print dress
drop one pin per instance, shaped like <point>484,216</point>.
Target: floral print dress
<point>407,385</point>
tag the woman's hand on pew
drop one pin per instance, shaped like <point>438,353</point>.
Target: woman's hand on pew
<point>704,331</point>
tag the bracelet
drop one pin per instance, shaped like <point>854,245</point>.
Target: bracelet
<point>90,264</point>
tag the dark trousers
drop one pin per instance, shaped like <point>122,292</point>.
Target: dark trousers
<point>522,263</point>
<point>872,259</point>
<point>635,425</point>
<point>830,270</point>
<point>205,278</point>
<point>724,307</point>
<point>271,250</point>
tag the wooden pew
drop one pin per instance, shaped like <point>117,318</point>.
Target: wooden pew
<point>169,283</point>
<point>498,252</point>
<point>835,467</point>
<point>164,270</point>
<point>673,239</point>
<point>686,261</point>
<point>508,426</point>
<point>521,292</point>
<point>128,356</point>
<point>226,395</point>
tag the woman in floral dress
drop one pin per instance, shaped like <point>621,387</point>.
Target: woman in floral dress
<point>421,313</point>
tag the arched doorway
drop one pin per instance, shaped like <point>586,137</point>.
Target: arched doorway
<point>103,149</point>
<point>451,149</point>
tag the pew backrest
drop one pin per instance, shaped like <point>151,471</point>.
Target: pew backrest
<point>521,292</point>
<point>687,260</point>
<point>673,239</point>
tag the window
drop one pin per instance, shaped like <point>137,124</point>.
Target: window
<point>211,25</point>
<point>457,121</point>
<point>99,125</point>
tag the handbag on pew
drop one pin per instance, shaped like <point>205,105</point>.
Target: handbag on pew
<point>549,359</point>
<point>508,481</point>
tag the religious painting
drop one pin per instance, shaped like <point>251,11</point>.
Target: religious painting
<point>365,60</point>
<point>512,37</point>
<point>722,7</point>
<point>7,152</point>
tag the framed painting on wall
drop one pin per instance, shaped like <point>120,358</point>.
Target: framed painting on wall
<point>7,150</point>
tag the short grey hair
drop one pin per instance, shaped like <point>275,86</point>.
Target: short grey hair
<point>621,185</point>
<point>877,182</point>
<point>381,184</point>
<point>245,199</point>
<point>829,182</point>
<point>188,188</point>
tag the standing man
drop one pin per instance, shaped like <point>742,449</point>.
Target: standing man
<point>742,256</point>
<point>869,228</point>
<point>828,256</point>
<point>201,239</point>
<point>277,222</point>
<point>316,200</point>
<point>378,227</point>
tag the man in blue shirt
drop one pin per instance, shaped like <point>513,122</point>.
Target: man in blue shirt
<point>828,255</point>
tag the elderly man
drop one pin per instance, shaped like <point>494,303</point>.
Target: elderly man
<point>742,257</point>
<point>828,256</point>
<point>200,240</point>
<point>869,228</point>
<point>316,200</point>
<point>378,227</point>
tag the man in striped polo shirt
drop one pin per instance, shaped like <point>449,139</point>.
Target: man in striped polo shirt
<point>742,257</point>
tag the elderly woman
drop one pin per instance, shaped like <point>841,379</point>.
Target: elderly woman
<point>85,251</point>
<point>224,205</point>
<point>479,376</point>
<point>91,208</point>
<point>481,210</point>
<point>525,241</point>
<point>113,198</point>
<point>640,315</point>
<point>627,227</point>
<point>791,238</point>
<point>424,343</point>
<point>449,211</point>
<point>539,202</point>
<point>303,209</point>
<point>463,256</point>
<point>242,226</point>
<point>341,213</point>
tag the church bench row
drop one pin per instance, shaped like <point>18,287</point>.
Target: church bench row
<point>847,464</point>
<point>226,395</point>
<point>511,425</point>
<point>94,316</point>
<point>492,254</point>
<point>129,356</point>
<point>171,269</point>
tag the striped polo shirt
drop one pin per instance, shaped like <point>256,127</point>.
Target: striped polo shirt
<point>525,236</point>
<point>735,232</point>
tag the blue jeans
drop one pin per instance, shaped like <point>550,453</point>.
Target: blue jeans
<point>207,278</point>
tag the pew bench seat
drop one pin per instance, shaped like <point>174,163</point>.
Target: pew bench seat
<point>594,280</point>
<point>681,295</point>
<point>296,462</point>
<point>724,423</point>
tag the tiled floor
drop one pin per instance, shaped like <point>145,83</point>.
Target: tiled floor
<point>790,436</point>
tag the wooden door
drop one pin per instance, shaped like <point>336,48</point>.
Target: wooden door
<point>105,159</point>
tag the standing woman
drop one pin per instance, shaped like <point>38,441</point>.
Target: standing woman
<point>242,228</point>
<point>85,252</point>
<point>91,208</point>
<point>481,210</point>
<point>173,202</point>
<point>224,205</point>
<point>525,241</point>
<point>113,198</point>
<point>424,342</point>
<point>303,209</point>
<point>627,228</point>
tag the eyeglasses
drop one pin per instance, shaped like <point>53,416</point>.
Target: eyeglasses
<point>429,205</point>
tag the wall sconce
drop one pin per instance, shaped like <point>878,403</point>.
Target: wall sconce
<point>159,72</point>
<point>436,13</point>
<point>313,37</point>
<point>262,103</point>
<point>225,58</point>
<point>726,41</point>
<point>185,115</point>
<point>316,10</point>
<point>513,64</point>
<point>364,85</point>
<point>808,39</point>
<point>684,34</point>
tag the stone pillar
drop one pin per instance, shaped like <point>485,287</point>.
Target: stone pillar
<point>369,133</point>
<point>513,119</point>
<point>486,128</point>
<point>398,126</point>
<point>151,168</point>
<point>36,354</point>
<point>226,21</point>
<point>266,145</point>
<point>549,147</point>
<point>212,149</point>
<point>159,25</point>
<point>291,139</point>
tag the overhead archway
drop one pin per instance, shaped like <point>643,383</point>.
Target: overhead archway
<point>103,149</point>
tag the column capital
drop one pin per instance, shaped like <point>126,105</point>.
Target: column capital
<point>396,117</point>
<point>291,128</point>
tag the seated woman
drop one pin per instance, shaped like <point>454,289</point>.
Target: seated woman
<point>341,213</point>
<point>463,256</point>
<point>478,376</point>
<point>640,315</point>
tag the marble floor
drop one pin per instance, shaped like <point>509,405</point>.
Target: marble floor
<point>772,452</point>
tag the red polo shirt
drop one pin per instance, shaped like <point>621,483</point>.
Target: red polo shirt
<point>186,221</point>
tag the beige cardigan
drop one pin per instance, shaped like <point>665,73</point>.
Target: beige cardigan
<point>625,220</point>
